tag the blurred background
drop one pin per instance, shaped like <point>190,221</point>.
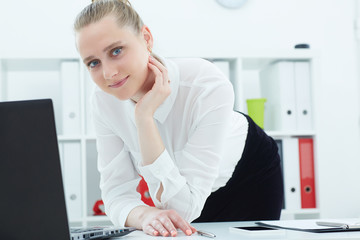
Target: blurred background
<point>37,37</point>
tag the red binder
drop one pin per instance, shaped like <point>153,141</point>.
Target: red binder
<point>307,173</point>
<point>143,189</point>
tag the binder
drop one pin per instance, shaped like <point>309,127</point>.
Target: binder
<point>2,82</point>
<point>61,153</point>
<point>72,178</point>
<point>89,88</point>
<point>70,83</point>
<point>280,152</point>
<point>303,96</point>
<point>277,84</point>
<point>291,170</point>
<point>307,173</point>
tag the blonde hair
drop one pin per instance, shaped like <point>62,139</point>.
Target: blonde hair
<point>122,10</point>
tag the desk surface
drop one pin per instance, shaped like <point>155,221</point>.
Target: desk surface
<point>222,232</point>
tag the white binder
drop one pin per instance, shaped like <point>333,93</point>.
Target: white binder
<point>61,153</point>
<point>72,178</point>
<point>303,96</point>
<point>70,82</point>
<point>290,147</point>
<point>2,82</point>
<point>89,89</point>
<point>277,83</point>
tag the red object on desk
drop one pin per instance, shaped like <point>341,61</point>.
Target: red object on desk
<point>307,173</point>
<point>97,210</point>
<point>143,189</point>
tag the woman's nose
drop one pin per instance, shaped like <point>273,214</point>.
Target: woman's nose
<point>110,71</point>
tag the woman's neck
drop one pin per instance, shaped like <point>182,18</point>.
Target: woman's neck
<point>147,86</point>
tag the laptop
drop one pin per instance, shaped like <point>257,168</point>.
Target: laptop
<point>32,201</point>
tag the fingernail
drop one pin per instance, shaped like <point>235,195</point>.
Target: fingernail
<point>173,233</point>
<point>188,232</point>
<point>156,233</point>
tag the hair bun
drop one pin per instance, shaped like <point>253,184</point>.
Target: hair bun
<point>122,10</point>
<point>123,1</point>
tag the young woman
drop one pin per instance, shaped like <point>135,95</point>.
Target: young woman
<point>172,122</point>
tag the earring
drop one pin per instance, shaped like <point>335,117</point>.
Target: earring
<point>150,50</point>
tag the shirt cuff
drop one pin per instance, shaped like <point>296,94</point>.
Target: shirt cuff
<point>159,169</point>
<point>124,212</point>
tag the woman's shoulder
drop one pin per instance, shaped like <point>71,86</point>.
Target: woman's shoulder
<point>199,70</point>
<point>193,63</point>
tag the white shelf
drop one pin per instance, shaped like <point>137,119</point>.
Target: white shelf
<point>302,211</point>
<point>300,214</point>
<point>97,219</point>
<point>76,220</point>
<point>63,138</point>
<point>256,55</point>
<point>90,138</point>
<point>280,134</point>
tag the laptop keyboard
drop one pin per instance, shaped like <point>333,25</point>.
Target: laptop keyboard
<point>81,230</point>
<point>98,232</point>
<point>86,233</point>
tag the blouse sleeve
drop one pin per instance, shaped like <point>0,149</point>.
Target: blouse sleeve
<point>118,177</point>
<point>188,179</point>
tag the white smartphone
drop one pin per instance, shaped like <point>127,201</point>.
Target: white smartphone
<point>257,230</point>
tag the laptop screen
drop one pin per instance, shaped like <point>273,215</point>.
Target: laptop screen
<point>32,196</point>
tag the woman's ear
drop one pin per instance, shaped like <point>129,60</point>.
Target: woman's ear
<point>145,31</point>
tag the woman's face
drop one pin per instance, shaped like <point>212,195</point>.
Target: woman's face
<point>115,57</point>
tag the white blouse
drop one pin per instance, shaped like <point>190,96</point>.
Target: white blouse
<point>203,137</point>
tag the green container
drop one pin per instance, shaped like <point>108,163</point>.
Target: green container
<point>256,109</point>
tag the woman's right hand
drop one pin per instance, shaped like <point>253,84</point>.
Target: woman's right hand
<point>165,223</point>
<point>150,102</point>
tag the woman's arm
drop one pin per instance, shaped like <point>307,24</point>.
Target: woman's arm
<point>118,177</point>
<point>118,183</point>
<point>151,144</point>
<point>151,220</point>
<point>185,186</point>
<point>187,176</point>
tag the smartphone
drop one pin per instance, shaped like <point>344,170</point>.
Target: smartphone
<point>257,230</point>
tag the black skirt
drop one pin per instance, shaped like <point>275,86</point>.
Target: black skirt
<point>255,190</point>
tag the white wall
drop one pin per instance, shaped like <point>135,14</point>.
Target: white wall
<point>41,28</point>
<point>37,28</point>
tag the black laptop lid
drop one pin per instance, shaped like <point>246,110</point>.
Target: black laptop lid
<point>32,197</point>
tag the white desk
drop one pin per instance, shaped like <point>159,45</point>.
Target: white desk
<point>221,230</point>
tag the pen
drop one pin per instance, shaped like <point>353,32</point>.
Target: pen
<point>206,234</point>
<point>339,225</point>
<point>333,224</point>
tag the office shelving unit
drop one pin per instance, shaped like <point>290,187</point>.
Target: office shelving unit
<point>244,72</point>
<point>32,78</point>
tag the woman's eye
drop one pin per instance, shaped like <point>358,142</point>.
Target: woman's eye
<point>93,64</point>
<point>116,52</point>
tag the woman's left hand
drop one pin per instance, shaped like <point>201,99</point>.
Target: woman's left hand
<point>158,93</point>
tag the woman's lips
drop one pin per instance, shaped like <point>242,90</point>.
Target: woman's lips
<point>119,83</point>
